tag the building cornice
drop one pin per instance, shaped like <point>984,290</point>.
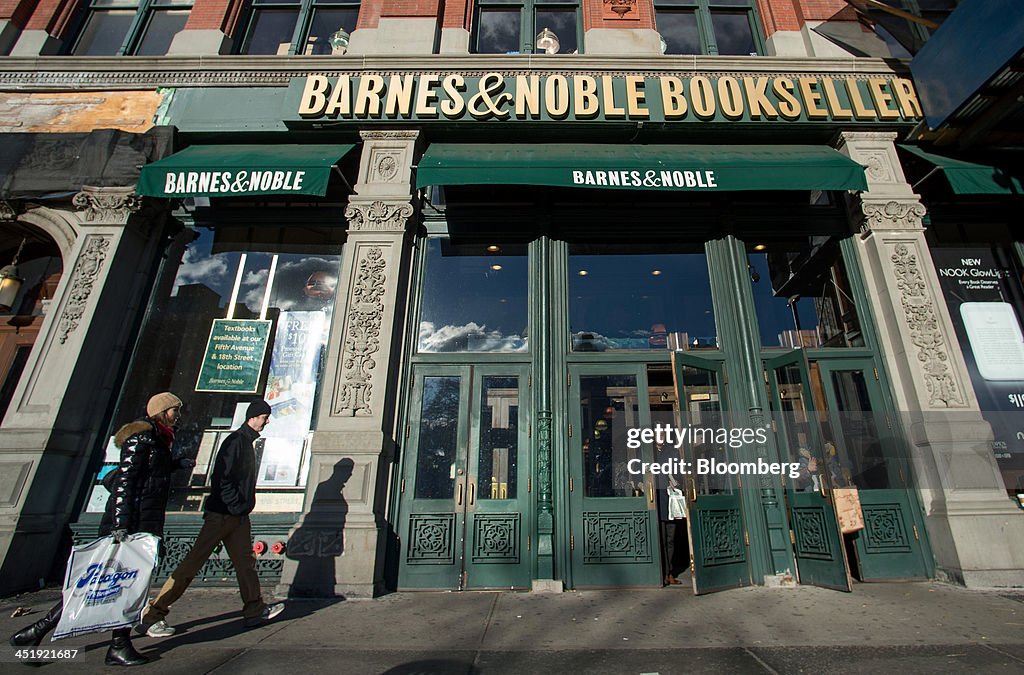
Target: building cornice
<point>61,73</point>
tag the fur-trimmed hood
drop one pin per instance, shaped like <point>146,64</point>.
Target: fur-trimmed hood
<point>130,429</point>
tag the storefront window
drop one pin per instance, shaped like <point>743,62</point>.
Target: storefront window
<point>297,26</point>
<point>623,301</point>
<point>292,273</point>
<point>707,26</point>
<point>473,298</point>
<point>137,27</point>
<point>514,26</point>
<point>803,296</point>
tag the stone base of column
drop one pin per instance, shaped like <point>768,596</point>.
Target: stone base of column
<point>313,569</point>
<point>989,549</point>
<point>547,586</point>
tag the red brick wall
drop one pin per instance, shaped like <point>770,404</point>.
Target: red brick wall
<point>214,15</point>
<point>52,16</point>
<point>17,11</point>
<point>457,14</point>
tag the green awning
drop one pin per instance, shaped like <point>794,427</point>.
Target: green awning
<point>723,168</point>
<point>968,178</point>
<point>240,170</point>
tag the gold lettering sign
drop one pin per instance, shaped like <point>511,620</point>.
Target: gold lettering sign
<point>664,98</point>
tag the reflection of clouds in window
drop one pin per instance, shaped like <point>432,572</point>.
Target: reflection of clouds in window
<point>468,337</point>
<point>198,268</point>
<point>591,342</point>
<point>732,32</point>
<point>254,286</point>
<point>291,282</point>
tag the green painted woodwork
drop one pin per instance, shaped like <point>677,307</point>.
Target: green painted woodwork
<point>646,167</point>
<point>889,547</point>
<point>968,178</point>
<point>739,339</point>
<point>453,533</point>
<point>540,319</point>
<point>717,530</point>
<point>613,537</point>
<point>238,170</point>
<point>818,545</point>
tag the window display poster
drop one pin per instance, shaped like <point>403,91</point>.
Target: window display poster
<point>234,356</point>
<point>294,368</point>
<point>985,297</point>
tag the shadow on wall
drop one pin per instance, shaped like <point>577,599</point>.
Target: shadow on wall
<point>321,538</point>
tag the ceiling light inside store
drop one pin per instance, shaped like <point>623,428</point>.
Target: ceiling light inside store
<point>583,273</point>
<point>495,267</point>
<point>493,249</point>
<point>760,247</point>
<point>656,273</point>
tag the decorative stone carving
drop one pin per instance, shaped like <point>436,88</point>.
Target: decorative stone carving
<point>87,268</point>
<point>7,211</point>
<point>310,542</point>
<point>378,216</point>
<point>878,168</point>
<point>102,205</point>
<point>923,324</point>
<point>385,166</point>
<point>892,215</point>
<point>362,336</point>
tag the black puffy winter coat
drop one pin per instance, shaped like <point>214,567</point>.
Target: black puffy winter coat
<point>138,498</point>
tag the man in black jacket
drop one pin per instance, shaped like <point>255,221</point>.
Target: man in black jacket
<point>226,519</point>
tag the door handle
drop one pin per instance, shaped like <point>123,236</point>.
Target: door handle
<point>458,499</point>
<point>650,493</point>
<point>472,492</point>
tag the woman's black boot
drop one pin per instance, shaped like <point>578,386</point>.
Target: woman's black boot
<point>31,636</point>
<point>121,652</point>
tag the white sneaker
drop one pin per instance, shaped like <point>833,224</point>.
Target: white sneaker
<point>155,630</point>
<point>268,613</point>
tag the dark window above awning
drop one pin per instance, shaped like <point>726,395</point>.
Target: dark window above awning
<point>968,178</point>
<point>723,168</point>
<point>242,170</point>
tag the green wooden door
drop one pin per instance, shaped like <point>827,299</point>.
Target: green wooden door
<point>463,511</point>
<point>817,542</point>
<point>613,527</point>
<point>871,455</point>
<point>718,539</point>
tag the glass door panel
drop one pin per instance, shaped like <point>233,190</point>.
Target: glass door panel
<point>868,455</point>
<point>718,551</point>
<point>814,527</point>
<point>613,537</point>
<point>462,520</point>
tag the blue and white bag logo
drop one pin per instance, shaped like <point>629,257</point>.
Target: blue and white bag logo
<point>105,583</point>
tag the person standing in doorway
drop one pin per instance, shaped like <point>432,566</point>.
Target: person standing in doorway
<point>226,519</point>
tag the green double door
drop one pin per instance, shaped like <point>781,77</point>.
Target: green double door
<point>464,513</point>
<point>830,419</point>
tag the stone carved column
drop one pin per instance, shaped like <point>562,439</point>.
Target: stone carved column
<point>977,536</point>
<point>49,431</point>
<point>353,443</point>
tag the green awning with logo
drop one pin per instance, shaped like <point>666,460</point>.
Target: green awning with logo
<point>241,170</point>
<point>725,168</point>
<point>968,178</point>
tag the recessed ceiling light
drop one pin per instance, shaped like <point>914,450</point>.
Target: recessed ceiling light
<point>495,267</point>
<point>493,249</point>
<point>760,247</point>
<point>583,273</point>
<point>656,273</point>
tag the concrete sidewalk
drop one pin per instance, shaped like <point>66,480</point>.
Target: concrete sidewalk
<point>909,627</point>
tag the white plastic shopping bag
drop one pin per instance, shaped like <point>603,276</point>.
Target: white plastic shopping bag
<point>676,504</point>
<point>107,584</point>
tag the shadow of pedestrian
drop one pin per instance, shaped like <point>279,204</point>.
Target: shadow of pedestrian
<point>320,540</point>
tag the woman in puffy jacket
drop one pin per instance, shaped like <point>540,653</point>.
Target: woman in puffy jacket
<point>139,488</point>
